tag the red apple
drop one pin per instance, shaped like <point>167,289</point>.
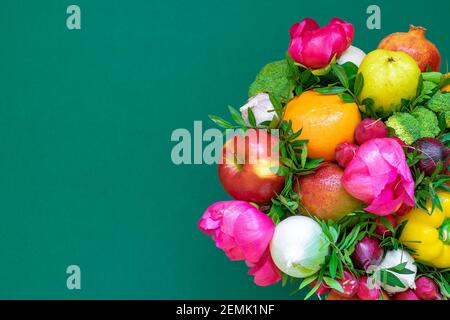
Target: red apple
<point>246,169</point>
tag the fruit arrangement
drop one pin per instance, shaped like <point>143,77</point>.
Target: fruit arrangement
<point>340,170</point>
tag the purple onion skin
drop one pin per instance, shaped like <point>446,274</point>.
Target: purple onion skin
<point>367,252</point>
<point>434,151</point>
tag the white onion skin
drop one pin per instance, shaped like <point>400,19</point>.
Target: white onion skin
<point>298,246</point>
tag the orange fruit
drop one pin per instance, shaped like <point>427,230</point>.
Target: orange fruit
<point>326,122</point>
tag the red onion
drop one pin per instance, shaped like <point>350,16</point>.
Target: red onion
<point>381,229</point>
<point>345,152</point>
<point>433,150</point>
<point>367,252</point>
<point>406,295</point>
<point>370,129</point>
<point>427,289</point>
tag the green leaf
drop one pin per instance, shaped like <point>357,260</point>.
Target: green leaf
<point>314,289</point>
<point>350,238</point>
<point>306,75</point>
<point>434,77</point>
<point>330,90</point>
<point>339,72</point>
<point>333,284</point>
<point>391,279</point>
<point>442,123</point>
<point>251,118</point>
<point>221,122</point>
<point>307,281</point>
<point>333,264</point>
<point>347,98</point>
<point>359,84</point>
<point>277,106</point>
<point>281,170</point>
<point>284,279</point>
<point>304,156</point>
<point>298,90</point>
<point>351,69</point>
<point>419,86</point>
<point>237,117</point>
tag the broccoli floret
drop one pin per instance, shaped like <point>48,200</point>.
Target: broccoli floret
<point>275,79</point>
<point>440,102</point>
<point>428,122</point>
<point>404,126</point>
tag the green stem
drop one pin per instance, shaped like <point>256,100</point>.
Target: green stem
<point>444,231</point>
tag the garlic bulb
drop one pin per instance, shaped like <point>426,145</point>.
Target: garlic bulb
<point>394,258</point>
<point>262,108</point>
<point>352,54</point>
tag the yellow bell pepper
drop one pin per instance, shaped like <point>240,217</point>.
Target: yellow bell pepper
<point>429,235</point>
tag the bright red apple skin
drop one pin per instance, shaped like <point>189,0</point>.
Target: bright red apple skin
<point>252,180</point>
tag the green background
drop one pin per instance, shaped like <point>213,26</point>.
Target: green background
<point>85,124</point>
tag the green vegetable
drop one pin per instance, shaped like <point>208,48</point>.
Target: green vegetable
<point>276,79</point>
<point>404,126</point>
<point>440,103</point>
<point>428,122</point>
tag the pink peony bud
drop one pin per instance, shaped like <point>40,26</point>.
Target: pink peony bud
<point>380,176</point>
<point>243,233</point>
<point>314,47</point>
<point>345,152</point>
<point>370,129</point>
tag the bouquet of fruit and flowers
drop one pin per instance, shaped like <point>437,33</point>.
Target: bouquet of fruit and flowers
<point>339,169</point>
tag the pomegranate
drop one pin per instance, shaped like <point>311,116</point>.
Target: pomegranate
<point>366,291</point>
<point>416,45</point>
<point>349,283</point>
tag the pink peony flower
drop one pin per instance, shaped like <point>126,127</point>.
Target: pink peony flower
<point>380,176</point>
<point>243,233</point>
<point>315,47</point>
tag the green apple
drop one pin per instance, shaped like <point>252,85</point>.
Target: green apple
<point>389,77</point>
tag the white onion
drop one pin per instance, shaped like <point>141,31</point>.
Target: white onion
<point>261,106</point>
<point>352,54</point>
<point>299,246</point>
<point>394,258</point>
